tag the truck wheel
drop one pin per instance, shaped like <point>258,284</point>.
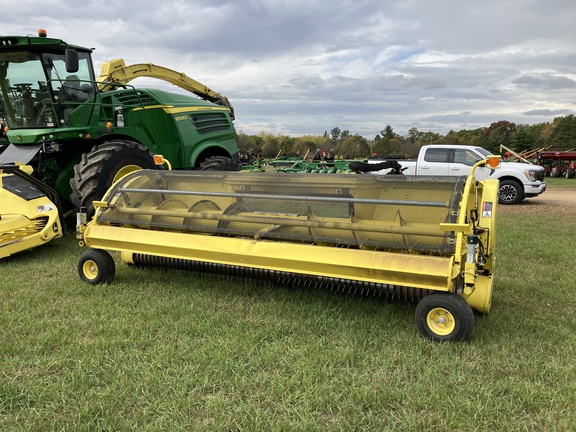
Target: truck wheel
<point>510,192</point>
<point>219,163</point>
<point>98,169</point>
<point>96,267</point>
<point>570,172</point>
<point>445,317</point>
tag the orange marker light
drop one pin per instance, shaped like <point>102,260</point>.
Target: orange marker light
<point>493,162</point>
<point>159,160</point>
<point>109,125</point>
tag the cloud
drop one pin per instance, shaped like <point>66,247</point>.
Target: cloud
<point>546,81</point>
<point>303,67</point>
<point>548,112</point>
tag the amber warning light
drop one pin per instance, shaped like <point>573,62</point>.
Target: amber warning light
<point>493,161</point>
<point>42,33</point>
<point>160,160</point>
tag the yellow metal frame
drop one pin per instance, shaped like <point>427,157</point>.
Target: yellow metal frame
<point>452,273</point>
<point>426,272</point>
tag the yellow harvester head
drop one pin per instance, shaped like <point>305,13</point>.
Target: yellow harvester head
<point>386,235</point>
<point>29,211</point>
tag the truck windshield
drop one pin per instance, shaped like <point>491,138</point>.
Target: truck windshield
<point>36,90</point>
<point>483,151</point>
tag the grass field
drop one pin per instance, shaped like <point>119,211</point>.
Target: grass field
<point>164,350</point>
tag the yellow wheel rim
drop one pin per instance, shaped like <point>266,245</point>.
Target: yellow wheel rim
<point>125,170</point>
<point>90,269</point>
<point>441,321</point>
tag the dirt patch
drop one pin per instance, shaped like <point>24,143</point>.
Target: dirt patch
<point>556,200</point>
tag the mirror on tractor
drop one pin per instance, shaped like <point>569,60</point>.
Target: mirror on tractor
<point>72,64</point>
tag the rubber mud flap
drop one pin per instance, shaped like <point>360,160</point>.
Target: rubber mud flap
<point>19,153</point>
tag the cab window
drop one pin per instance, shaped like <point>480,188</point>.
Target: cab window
<point>466,157</point>
<point>436,155</point>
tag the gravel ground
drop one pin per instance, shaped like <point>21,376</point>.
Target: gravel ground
<point>557,200</point>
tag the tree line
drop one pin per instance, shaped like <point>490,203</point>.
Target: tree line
<point>560,134</point>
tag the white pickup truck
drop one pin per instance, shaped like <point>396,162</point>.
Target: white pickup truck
<point>517,180</point>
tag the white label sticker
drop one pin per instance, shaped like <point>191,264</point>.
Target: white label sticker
<point>44,208</point>
<point>487,209</point>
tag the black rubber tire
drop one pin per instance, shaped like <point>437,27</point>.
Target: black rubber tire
<point>96,266</point>
<point>433,309</point>
<point>511,192</point>
<point>219,163</point>
<point>570,173</point>
<point>95,172</point>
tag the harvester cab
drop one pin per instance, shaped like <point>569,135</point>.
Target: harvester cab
<point>78,131</point>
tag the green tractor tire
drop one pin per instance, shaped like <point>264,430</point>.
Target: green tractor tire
<point>98,169</point>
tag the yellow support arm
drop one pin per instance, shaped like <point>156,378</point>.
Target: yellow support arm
<point>523,159</point>
<point>115,71</point>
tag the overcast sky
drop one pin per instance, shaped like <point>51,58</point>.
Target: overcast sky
<point>306,66</point>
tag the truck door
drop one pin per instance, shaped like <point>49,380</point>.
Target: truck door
<point>434,162</point>
<point>462,162</point>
